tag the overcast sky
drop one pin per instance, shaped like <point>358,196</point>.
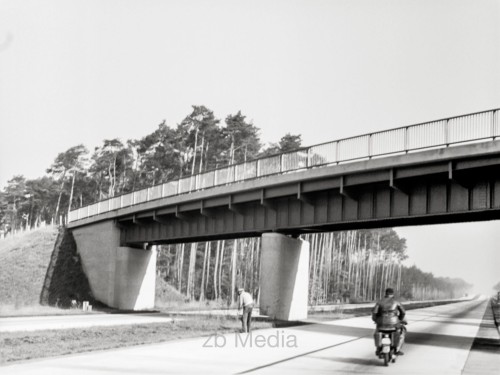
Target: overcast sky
<point>82,71</point>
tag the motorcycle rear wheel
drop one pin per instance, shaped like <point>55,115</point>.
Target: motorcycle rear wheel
<point>386,359</point>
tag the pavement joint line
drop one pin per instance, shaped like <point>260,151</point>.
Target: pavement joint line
<point>300,355</point>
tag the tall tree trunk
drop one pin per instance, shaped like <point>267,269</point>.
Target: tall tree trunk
<point>191,271</point>
<point>113,191</point>
<point>321,266</point>
<point>71,193</point>
<point>110,174</point>
<point>208,263</point>
<point>216,289</point>
<point>257,260</point>
<point>60,195</point>
<point>194,158</point>
<point>181,265</point>
<point>233,269</point>
<point>202,286</point>
<point>207,162</point>
<point>221,263</point>
<point>255,265</point>
<point>201,152</point>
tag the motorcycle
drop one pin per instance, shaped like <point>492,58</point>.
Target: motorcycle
<point>387,348</point>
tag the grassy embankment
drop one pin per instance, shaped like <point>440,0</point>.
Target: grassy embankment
<point>24,261</point>
<point>26,270</point>
<point>23,265</point>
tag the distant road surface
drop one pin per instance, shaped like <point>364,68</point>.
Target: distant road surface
<point>441,340</point>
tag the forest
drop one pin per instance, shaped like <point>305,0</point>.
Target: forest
<point>349,267</point>
<point>344,266</point>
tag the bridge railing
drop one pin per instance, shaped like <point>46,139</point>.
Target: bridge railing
<point>480,126</point>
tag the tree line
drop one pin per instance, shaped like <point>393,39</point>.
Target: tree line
<point>353,265</point>
<point>77,177</point>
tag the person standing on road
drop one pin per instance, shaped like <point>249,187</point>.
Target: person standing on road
<point>245,301</point>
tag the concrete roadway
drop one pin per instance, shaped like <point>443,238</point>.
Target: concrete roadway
<point>439,342</point>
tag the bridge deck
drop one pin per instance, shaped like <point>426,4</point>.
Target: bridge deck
<point>479,126</point>
<point>458,183</point>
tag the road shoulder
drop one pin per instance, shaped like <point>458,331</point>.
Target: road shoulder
<point>484,356</point>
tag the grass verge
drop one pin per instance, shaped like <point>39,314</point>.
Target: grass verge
<point>495,307</point>
<point>23,265</point>
<point>18,346</point>
<point>7,311</point>
<point>345,313</point>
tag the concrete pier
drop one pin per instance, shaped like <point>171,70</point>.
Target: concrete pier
<point>284,277</point>
<point>120,277</point>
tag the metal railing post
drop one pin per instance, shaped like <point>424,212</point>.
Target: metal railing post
<point>447,133</point>
<point>406,140</point>
<point>370,146</point>
<point>493,125</point>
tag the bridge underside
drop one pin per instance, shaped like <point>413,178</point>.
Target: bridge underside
<point>442,192</point>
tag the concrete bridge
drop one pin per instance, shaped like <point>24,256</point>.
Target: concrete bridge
<point>438,172</point>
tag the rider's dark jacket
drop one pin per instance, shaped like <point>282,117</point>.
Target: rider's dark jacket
<point>387,313</point>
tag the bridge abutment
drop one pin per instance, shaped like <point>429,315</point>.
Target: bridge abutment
<point>120,277</point>
<point>284,277</point>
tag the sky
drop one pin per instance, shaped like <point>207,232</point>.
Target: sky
<point>76,72</point>
<point>466,250</point>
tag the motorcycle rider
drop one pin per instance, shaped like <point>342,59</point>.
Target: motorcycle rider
<point>388,313</point>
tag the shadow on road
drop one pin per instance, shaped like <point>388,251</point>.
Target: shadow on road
<point>355,361</point>
<point>451,321</point>
<point>419,338</point>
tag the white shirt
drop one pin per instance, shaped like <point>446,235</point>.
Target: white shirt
<point>245,299</point>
